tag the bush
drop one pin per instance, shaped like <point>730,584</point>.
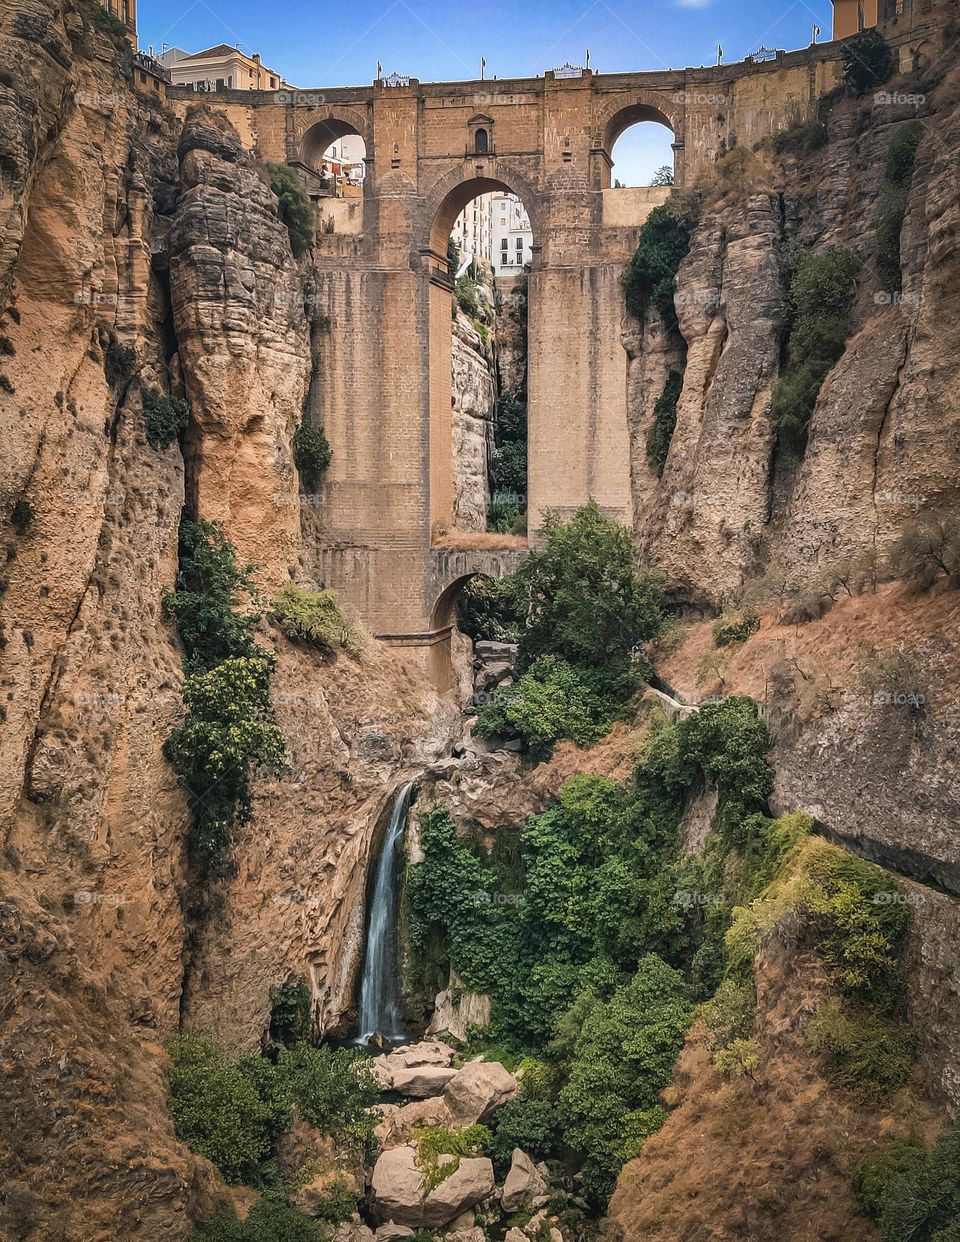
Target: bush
<point>333,1090</point>
<point>739,1058</point>
<point>550,701</point>
<point>664,422</point>
<point>911,1193</point>
<point>7,347</point>
<point>313,617</point>
<point>294,207</point>
<point>432,1142</point>
<point>216,1109</point>
<point>206,603</point>
<point>532,1125</point>
<point>166,418</point>
<point>509,467</point>
<point>868,61</point>
<point>801,137</point>
<point>863,1051</point>
<point>119,362</point>
<point>735,629</point>
<point>228,729</point>
<point>290,1021</point>
<point>650,278</point>
<point>898,177</point>
<point>311,453</point>
<point>624,1058</point>
<point>926,552</point>
<point>486,608</point>
<point>270,1220</point>
<point>821,300</point>
<point>585,601</point>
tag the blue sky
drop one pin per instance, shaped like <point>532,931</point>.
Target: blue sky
<point>339,44</point>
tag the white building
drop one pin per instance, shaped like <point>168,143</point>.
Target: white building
<point>471,230</point>
<point>511,237</point>
<point>220,68</point>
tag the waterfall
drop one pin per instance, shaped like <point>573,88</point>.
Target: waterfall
<point>380,983</point>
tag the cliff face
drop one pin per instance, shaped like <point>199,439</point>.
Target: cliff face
<point>118,230</point>
<point>730,513</point>
<point>473,392</point>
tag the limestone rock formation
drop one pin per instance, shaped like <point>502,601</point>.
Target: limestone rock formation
<point>477,1090</point>
<point>397,1190</point>
<point>473,392</point>
<point>524,1182</point>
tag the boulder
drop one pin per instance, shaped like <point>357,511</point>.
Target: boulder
<point>398,1123</point>
<point>515,1235</point>
<point>417,1070</point>
<point>353,1231</point>
<point>486,649</point>
<point>420,1081</point>
<point>523,1184</point>
<point>397,1185</point>
<point>477,1090</point>
<point>392,1232</point>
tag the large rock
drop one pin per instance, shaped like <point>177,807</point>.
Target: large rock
<point>392,1232</point>
<point>455,1009</point>
<point>523,1184</point>
<point>416,1070</point>
<point>398,1123</point>
<point>477,1090</point>
<point>397,1190</point>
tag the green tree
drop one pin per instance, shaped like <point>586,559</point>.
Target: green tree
<point>650,278</point>
<point>550,701</point>
<point>293,207</point>
<point>586,602</point>
<point>868,61</point>
<point>311,453</point>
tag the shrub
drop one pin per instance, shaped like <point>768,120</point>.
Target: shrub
<point>311,453</point>
<point>802,136</point>
<point>821,300</point>
<point>862,1051</point>
<point>867,61</point>
<point>735,629</point>
<point>509,468</point>
<point>729,1014</point>
<point>333,1090</point>
<point>206,603</point>
<point>624,1057</point>
<point>270,1220</point>
<point>166,418</point>
<point>650,278</point>
<point>911,1193</point>
<point>6,385</point>
<point>486,608</point>
<point>119,362</point>
<point>585,601</point>
<point>532,1125</point>
<point>313,617</point>
<point>664,422</point>
<point>432,1142</point>
<point>294,207</point>
<point>898,177</point>
<point>290,1013</point>
<point>338,1202</point>
<point>21,516</point>
<point>739,1058</point>
<point>926,552</point>
<point>216,1109</point>
<point>550,701</point>
<point>228,729</point>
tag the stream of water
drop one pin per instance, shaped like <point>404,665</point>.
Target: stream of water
<point>380,982</point>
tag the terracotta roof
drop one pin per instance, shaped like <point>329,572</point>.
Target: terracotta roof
<point>221,49</point>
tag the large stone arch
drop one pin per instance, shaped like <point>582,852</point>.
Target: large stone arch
<point>444,201</point>
<point>318,128</point>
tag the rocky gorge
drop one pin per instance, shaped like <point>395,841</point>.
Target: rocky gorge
<point>143,256</point>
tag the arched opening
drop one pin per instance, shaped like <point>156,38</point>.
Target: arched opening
<point>640,146</point>
<point>480,302</point>
<point>478,611</point>
<point>480,142</point>
<point>333,159</point>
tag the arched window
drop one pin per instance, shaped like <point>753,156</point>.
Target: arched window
<point>480,144</point>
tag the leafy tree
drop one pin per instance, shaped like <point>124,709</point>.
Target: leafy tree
<point>550,701</point>
<point>663,176</point>
<point>311,453</point>
<point>209,592</point>
<point>314,618</point>
<point>867,61</point>
<point>290,1013</point>
<point>166,418</point>
<point>293,207</point>
<point>585,601</point>
<point>532,1125</point>
<point>269,1220</point>
<point>912,1193</point>
<point>486,608</point>
<point>650,278</point>
<point>333,1090</point>
<point>216,1109</point>
<point>453,258</point>
<point>624,1058</point>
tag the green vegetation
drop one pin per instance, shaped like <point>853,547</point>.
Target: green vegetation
<point>820,304</point>
<point>313,617</point>
<point>166,418</point>
<point>650,278</point>
<point>453,258</point>
<point>912,1193</point>
<point>898,178</point>
<point>294,207</point>
<point>550,701</point>
<point>229,725</point>
<point>863,1051</point>
<point>432,1142</point>
<point>486,608</point>
<point>270,1220</point>
<point>664,422</point>
<point>802,136</point>
<point>311,453</point>
<point>233,1112</point>
<point>119,363</point>
<point>531,1124</point>
<point>727,630</point>
<point>290,1013</point>
<point>868,61</point>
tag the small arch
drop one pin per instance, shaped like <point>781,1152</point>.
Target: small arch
<point>649,150</point>
<point>445,609</point>
<point>319,151</point>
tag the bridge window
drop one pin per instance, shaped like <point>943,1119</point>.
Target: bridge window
<point>480,142</point>
<point>643,156</point>
<point>333,158</point>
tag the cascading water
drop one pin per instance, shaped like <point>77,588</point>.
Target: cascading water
<point>380,983</point>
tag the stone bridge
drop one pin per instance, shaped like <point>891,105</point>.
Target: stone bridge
<point>384,389</point>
